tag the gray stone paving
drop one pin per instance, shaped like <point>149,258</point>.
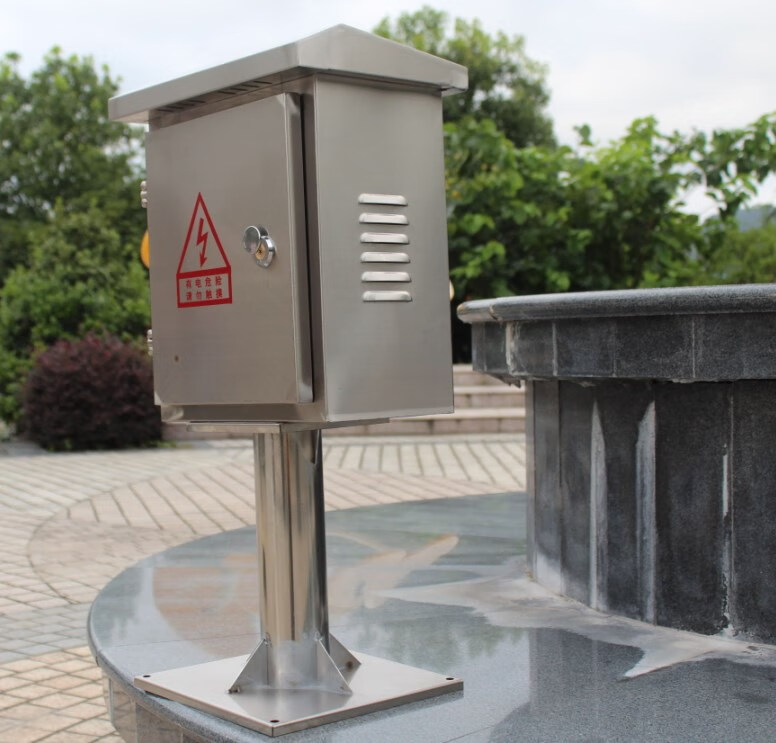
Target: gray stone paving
<point>71,522</point>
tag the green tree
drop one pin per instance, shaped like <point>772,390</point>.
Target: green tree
<point>69,217</point>
<point>80,279</point>
<point>526,216</point>
<point>57,146</point>
<point>741,258</point>
<point>731,163</point>
<point>505,85</point>
<point>536,219</point>
<point>539,219</point>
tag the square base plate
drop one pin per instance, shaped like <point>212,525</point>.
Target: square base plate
<point>376,684</point>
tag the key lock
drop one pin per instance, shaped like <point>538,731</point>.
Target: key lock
<point>259,244</point>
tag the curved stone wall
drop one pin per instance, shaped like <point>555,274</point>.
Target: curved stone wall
<point>651,420</point>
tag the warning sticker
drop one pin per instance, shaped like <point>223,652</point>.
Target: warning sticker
<point>204,274</point>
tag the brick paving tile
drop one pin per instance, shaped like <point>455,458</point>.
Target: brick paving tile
<point>72,666</point>
<point>39,674</point>
<point>84,652</point>
<point>9,700</point>
<point>7,683</point>
<point>85,710</point>
<point>63,683</point>
<point>87,691</point>
<point>70,522</point>
<point>95,727</point>
<point>25,712</point>
<point>19,666</point>
<point>6,725</point>
<point>67,736</point>
<point>52,722</point>
<point>29,692</point>
<point>58,700</point>
<point>90,674</point>
<point>26,734</point>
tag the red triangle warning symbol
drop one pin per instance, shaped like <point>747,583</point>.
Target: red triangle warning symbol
<point>204,274</point>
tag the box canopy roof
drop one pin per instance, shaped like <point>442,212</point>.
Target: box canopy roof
<point>340,50</point>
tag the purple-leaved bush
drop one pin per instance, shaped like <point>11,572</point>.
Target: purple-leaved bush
<point>93,393</point>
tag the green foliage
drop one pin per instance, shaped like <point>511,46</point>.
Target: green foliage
<point>80,279</point>
<point>505,85</point>
<point>741,258</point>
<point>536,219</point>
<point>525,216</point>
<point>13,371</point>
<point>539,219</point>
<point>731,163</point>
<point>69,217</point>
<point>57,146</point>
<point>94,393</point>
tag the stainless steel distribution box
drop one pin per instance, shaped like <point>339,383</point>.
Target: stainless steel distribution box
<point>298,234</point>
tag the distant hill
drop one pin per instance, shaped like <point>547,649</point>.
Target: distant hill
<point>756,216</point>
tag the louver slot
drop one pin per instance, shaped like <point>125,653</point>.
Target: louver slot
<point>382,198</point>
<point>368,218</point>
<point>395,296</point>
<point>384,258</point>
<point>400,277</point>
<point>385,238</point>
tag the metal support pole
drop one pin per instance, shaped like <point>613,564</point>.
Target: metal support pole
<point>299,675</point>
<point>296,650</point>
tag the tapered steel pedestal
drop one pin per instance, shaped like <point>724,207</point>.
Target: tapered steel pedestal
<point>300,675</point>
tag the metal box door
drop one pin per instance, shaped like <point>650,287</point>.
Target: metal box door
<point>227,330</point>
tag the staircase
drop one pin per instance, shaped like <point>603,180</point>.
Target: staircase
<point>483,404</point>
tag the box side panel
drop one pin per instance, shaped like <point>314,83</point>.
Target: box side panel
<point>382,358</point>
<point>227,331</point>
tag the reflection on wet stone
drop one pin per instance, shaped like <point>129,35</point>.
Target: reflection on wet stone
<point>439,584</point>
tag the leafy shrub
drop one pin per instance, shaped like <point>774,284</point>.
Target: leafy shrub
<point>80,279</point>
<point>94,393</point>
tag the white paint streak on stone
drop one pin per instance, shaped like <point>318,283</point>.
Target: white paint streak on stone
<point>725,491</point>
<point>548,573</point>
<point>646,535</point>
<point>554,350</point>
<point>512,338</point>
<point>726,538</point>
<point>598,511</point>
<point>509,599</point>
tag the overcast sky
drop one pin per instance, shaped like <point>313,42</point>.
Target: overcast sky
<point>691,63</point>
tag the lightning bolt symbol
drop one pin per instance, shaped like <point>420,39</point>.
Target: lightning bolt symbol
<point>202,240</point>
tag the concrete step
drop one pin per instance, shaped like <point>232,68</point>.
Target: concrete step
<point>483,404</point>
<point>465,420</point>
<point>465,376</point>
<point>488,396</point>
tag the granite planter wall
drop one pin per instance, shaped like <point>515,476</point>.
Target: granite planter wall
<point>651,423</point>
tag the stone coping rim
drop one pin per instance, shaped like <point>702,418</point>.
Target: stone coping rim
<point>694,300</point>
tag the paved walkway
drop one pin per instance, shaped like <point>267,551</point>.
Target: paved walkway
<point>70,522</point>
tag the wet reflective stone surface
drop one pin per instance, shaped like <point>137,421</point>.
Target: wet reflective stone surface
<point>439,585</point>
